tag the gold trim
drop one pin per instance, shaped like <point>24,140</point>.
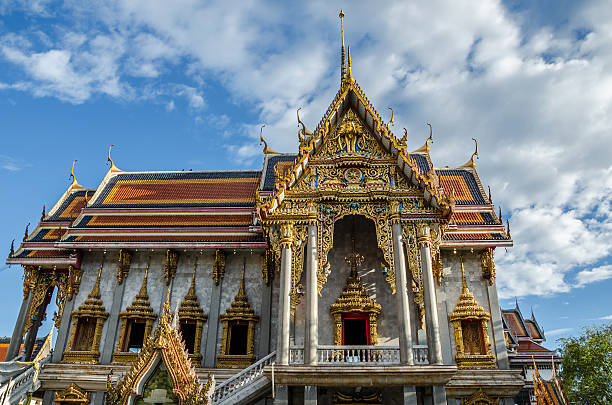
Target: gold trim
<point>190,310</point>
<point>93,309</point>
<point>73,394</point>
<point>479,398</point>
<point>219,267</point>
<point>240,310</point>
<point>467,309</point>
<point>123,268</point>
<point>171,265</point>
<point>488,264</point>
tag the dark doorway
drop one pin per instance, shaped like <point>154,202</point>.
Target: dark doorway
<point>136,337</point>
<point>188,330</point>
<point>238,338</point>
<point>355,329</point>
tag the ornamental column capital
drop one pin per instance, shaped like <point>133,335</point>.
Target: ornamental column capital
<point>394,217</point>
<point>423,235</point>
<point>312,214</point>
<point>286,234</point>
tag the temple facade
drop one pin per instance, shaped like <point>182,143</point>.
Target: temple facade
<point>353,271</point>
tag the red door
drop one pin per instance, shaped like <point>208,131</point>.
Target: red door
<point>356,329</point>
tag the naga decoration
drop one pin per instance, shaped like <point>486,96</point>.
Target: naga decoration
<point>123,268</point>
<point>488,264</point>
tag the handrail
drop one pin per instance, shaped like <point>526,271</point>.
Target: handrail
<point>248,374</point>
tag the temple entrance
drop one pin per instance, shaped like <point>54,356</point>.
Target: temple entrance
<point>355,329</point>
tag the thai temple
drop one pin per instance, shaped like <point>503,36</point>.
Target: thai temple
<point>351,271</point>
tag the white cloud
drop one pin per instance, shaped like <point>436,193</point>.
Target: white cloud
<point>538,99</point>
<point>557,332</point>
<point>585,277</point>
<point>607,318</point>
<point>11,164</point>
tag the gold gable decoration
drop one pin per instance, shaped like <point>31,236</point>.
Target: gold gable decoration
<point>191,311</point>
<point>471,331</point>
<point>140,309</point>
<point>72,395</point>
<point>479,398</point>
<point>87,322</point>
<point>240,312</point>
<point>165,345</point>
<point>356,399</point>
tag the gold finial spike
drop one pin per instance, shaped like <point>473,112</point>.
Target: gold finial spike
<point>12,252</point>
<point>342,55</point>
<point>75,183</point>
<point>391,120</point>
<point>462,273</point>
<point>266,149</point>
<point>143,287</point>
<point>43,215</point>
<point>472,162</point>
<point>193,276</point>
<point>113,168</point>
<point>500,215</point>
<point>25,234</point>
<point>490,199</point>
<point>425,148</point>
<point>349,70</point>
<point>95,291</point>
<point>508,227</point>
<point>241,291</point>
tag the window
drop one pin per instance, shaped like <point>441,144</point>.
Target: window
<point>84,335</point>
<point>188,330</point>
<point>472,337</point>
<point>355,329</point>
<point>135,336</point>
<point>238,334</point>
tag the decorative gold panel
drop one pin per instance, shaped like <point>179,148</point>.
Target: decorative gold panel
<point>239,311</point>
<point>218,267</point>
<point>123,269</point>
<point>171,265</point>
<point>72,395</point>
<point>91,311</point>
<point>480,398</point>
<point>488,264</point>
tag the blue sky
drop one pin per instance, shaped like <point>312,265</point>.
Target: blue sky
<point>186,85</point>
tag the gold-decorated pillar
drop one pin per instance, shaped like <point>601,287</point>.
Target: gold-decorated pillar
<point>429,295</point>
<point>311,341</point>
<point>284,313</point>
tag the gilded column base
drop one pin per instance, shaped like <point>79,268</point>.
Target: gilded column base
<point>475,361</point>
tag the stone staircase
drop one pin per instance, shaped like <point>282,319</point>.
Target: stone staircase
<point>17,380</point>
<point>247,386</point>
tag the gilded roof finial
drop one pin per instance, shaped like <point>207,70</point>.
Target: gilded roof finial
<point>500,215</point>
<point>508,227</point>
<point>42,216</point>
<point>12,252</point>
<point>25,234</point>
<point>143,288</point>
<point>463,274</point>
<point>402,141</point>
<point>266,149</point>
<point>166,312</point>
<point>342,55</point>
<point>75,184</point>
<point>472,162</point>
<point>349,71</point>
<point>490,199</point>
<point>391,120</point>
<point>113,168</point>
<point>425,148</point>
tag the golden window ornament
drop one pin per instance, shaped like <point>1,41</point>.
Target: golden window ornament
<point>470,322</point>
<point>72,395</point>
<point>191,319</point>
<point>355,303</point>
<point>136,325</point>
<point>488,264</point>
<point>87,323</point>
<point>123,268</point>
<point>219,267</point>
<point>171,265</point>
<point>237,344</point>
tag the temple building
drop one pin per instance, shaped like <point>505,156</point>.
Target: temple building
<point>353,271</point>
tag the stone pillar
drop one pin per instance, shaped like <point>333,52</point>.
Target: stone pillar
<point>403,307</point>
<point>284,316</point>
<point>497,328</point>
<point>30,339</point>
<point>15,345</point>
<point>63,332</point>
<point>439,395</point>
<point>281,396</point>
<point>265,320</point>
<point>429,295</point>
<point>112,323</point>
<point>410,395</point>
<point>210,351</point>
<point>311,341</point>
<point>310,395</point>
<point>48,397</point>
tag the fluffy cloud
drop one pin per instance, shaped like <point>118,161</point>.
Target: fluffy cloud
<point>537,97</point>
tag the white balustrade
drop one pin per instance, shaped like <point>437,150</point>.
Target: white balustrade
<point>242,379</point>
<point>359,355</point>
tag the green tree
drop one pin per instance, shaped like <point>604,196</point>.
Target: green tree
<point>586,372</point>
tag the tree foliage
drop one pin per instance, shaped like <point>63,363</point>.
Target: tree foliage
<point>586,373</point>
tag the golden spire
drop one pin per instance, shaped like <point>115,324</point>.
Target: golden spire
<point>241,290</point>
<point>342,56</point>
<point>12,252</point>
<point>113,168</point>
<point>192,286</point>
<point>402,141</point>
<point>43,215</point>
<point>391,120</point>
<point>425,148</point>
<point>25,234</point>
<point>266,149</point>
<point>463,274</point>
<point>95,291</point>
<point>143,288</point>
<point>75,183</point>
<point>472,162</point>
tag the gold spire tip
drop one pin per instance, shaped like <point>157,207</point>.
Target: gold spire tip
<point>266,149</point>
<point>113,168</point>
<point>462,273</point>
<point>75,183</point>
